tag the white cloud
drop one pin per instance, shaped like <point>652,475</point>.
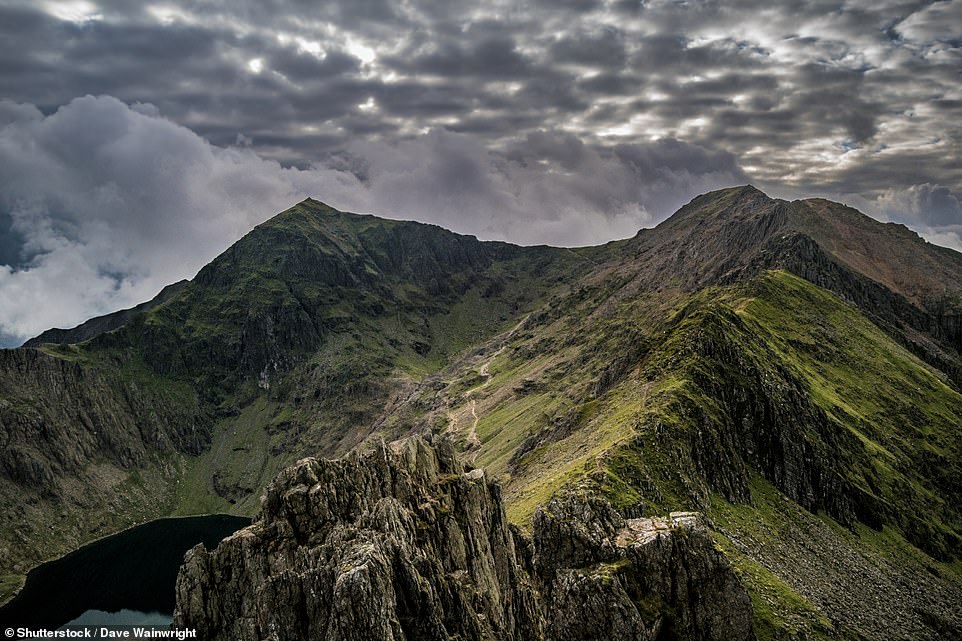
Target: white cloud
<point>937,23</point>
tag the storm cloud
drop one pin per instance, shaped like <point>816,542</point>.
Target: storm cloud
<point>137,140</point>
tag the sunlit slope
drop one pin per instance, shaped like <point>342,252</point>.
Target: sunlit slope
<point>723,402</point>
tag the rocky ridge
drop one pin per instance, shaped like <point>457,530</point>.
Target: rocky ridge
<point>403,542</point>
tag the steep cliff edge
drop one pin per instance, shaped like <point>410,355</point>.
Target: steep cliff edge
<point>401,542</point>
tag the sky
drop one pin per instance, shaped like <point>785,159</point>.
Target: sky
<point>140,139</point>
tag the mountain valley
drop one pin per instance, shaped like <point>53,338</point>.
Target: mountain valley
<point>789,370</point>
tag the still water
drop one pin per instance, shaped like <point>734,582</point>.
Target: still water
<point>124,579</point>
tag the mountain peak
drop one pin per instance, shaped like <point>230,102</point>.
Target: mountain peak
<point>750,189</point>
<point>745,202</point>
<point>751,195</point>
<point>315,203</point>
<point>308,218</point>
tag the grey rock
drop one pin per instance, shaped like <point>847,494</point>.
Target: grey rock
<point>401,542</point>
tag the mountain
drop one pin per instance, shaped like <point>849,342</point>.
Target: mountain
<point>790,370</point>
<point>292,342</point>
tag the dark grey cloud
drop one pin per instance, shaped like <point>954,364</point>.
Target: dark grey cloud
<point>746,77</point>
<point>934,211</point>
<point>11,242</point>
<point>939,206</point>
<point>603,47</point>
<point>491,57</point>
<point>304,67</point>
<point>577,6</point>
<point>609,84</point>
<point>576,120</point>
<point>926,205</point>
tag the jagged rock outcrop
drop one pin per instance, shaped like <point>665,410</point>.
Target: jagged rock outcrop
<point>402,543</point>
<point>397,543</point>
<point>606,577</point>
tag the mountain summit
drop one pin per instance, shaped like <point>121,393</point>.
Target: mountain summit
<point>790,370</point>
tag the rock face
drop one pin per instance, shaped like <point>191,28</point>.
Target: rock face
<point>402,543</point>
<point>84,452</point>
<point>605,577</point>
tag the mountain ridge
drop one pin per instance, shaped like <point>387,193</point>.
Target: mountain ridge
<point>772,215</point>
<point>99,324</point>
<point>731,360</point>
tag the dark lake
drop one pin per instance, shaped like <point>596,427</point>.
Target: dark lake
<point>124,579</point>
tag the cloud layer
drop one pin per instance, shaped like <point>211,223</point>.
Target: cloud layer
<point>817,95</point>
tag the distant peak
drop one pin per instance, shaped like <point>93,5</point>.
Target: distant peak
<point>751,191</point>
<point>315,204</point>
<point>742,191</point>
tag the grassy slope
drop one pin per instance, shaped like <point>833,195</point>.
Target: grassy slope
<point>902,411</point>
<point>383,329</point>
<point>367,291</point>
<point>614,401</point>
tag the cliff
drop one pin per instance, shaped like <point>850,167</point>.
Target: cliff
<point>86,451</point>
<point>401,542</point>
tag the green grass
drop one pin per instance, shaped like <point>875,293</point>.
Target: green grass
<point>904,415</point>
<point>878,420</point>
<point>672,432</point>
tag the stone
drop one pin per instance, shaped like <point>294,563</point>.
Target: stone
<point>400,542</point>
